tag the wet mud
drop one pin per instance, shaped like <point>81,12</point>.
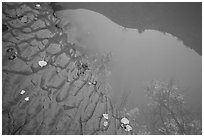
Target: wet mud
<point>82,88</point>
<point>61,97</point>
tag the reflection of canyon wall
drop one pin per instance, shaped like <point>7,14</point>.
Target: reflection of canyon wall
<point>136,57</point>
<point>184,20</point>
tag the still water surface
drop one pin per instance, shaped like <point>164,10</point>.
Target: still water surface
<point>136,57</point>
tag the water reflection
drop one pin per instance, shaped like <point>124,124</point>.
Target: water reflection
<point>136,57</point>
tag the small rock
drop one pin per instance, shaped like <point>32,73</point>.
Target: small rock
<point>26,99</point>
<point>105,123</point>
<point>105,116</point>
<point>42,63</point>
<point>125,121</point>
<point>23,92</point>
<point>128,128</point>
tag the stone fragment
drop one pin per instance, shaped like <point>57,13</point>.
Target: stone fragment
<point>128,128</point>
<point>125,121</point>
<point>105,123</point>
<point>23,92</point>
<point>42,63</point>
<point>26,99</point>
<point>105,116</point>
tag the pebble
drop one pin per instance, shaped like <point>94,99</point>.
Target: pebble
<point>27,99</point>
<point>125,121</point>
<point>128,128</point>
<point>105,116</point>
<point>22,92</point>
<point>105,123</point>
<point>42,63</point>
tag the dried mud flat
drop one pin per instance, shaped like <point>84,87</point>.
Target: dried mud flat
<point>49,85</point>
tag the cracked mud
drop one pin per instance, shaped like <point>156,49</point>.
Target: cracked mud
<point>49,85</point>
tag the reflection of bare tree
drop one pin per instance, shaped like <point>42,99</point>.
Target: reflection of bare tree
<point>123,100</point>
<point>167,109</point>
